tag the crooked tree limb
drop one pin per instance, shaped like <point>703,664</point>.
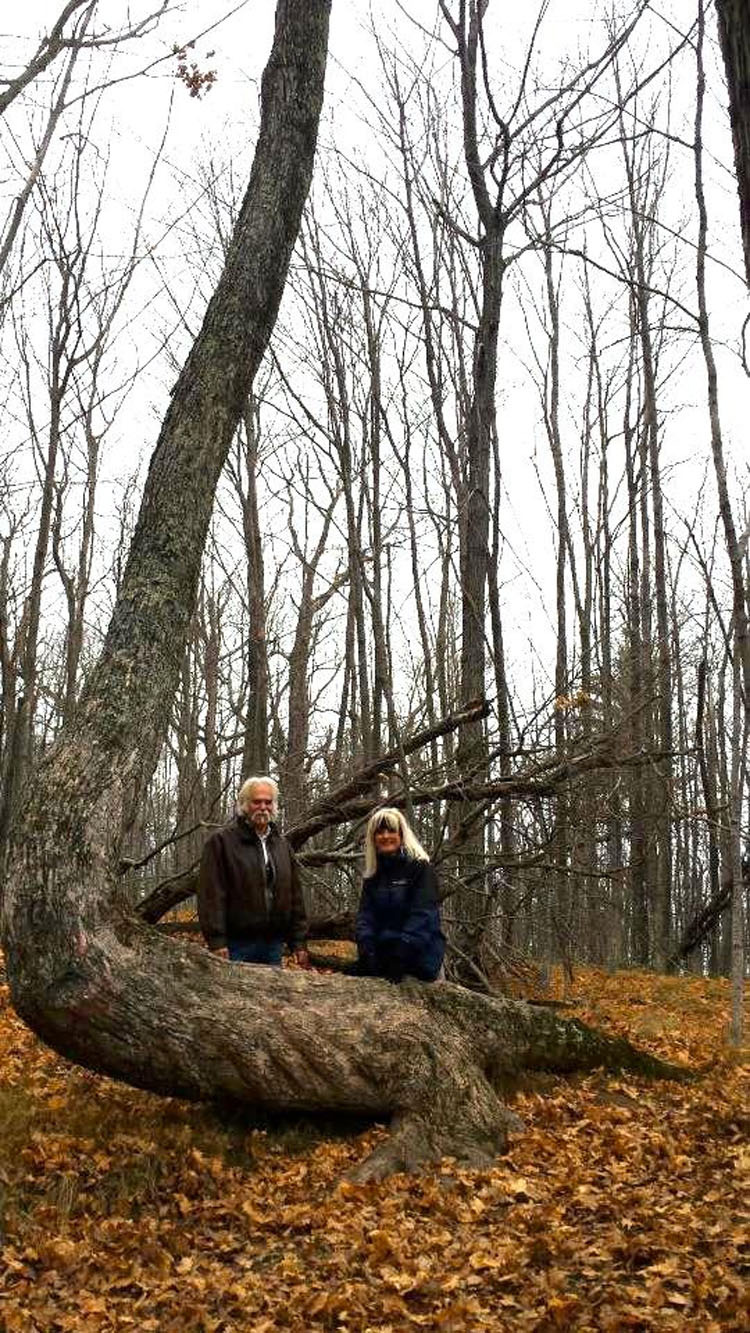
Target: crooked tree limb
<point>540,781</point>
<point>62,886</point>
<point>166,1017</point>
<point>363,780</point>
<point>170,893</point>
<point>708,916</point>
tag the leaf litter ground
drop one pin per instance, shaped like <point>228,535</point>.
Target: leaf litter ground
<point>623,1205</point>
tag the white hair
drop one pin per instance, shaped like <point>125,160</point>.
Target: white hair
<point>249,785</point>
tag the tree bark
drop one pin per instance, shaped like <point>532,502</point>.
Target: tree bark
<point>736,545</point>
<point>255,750</point>
<point>645,187</point>
<point>427,1056</point>
<point>479,429</point>
<point>60,927</point>
<point>734,36</point>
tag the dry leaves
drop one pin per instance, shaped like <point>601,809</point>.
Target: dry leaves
<point>622,1206</point>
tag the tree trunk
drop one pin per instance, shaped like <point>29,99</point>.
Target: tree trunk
<point>639,925</point>
<point>255,749</point>
<point>167,1017</point>
<point>479,429</point>
<point>561,899</point>
<point>736,545</point>
<point>734,36</point>
<point>60,930</point>
<point>644,196</point>
<point>292,766</point>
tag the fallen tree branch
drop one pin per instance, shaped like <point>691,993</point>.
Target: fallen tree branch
<point>542,780</point>
<point>324,812</point>
<point>707,917</point>
<point>171,892</point>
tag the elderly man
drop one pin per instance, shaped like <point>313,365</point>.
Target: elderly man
<point>250,902</point>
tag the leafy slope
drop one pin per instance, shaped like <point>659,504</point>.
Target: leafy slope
<point>620,1207</point>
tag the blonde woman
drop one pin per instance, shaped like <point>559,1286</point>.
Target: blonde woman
<point>398,928</point>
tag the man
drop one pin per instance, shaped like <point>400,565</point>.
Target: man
<point>250,900</point>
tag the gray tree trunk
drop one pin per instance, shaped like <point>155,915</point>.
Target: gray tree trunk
<point>734,35</point>
<point>255,748</point>
<point>60,926</point>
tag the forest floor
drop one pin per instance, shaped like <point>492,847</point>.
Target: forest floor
<point>619,1207</point>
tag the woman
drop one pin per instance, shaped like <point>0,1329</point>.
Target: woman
<point>398,924</point>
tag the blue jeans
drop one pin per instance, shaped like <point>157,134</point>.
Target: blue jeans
<point>256,951</point>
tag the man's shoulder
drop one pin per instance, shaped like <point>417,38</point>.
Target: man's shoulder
<point>225,832</point>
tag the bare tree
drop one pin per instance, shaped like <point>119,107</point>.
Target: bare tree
<point>736,551</point>
<point>70,36</point>
<point>70,33</point>
<point>110,748</point>
<point>255,751</point>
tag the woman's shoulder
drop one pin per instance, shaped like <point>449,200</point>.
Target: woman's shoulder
<point>420,868</point>
<point>420,871</point>
<point>424,880</point>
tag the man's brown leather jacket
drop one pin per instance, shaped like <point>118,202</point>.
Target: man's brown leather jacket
<point>242,899</point>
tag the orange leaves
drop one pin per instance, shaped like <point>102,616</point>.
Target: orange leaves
<point>620,1208</point>
<point>197,81</point>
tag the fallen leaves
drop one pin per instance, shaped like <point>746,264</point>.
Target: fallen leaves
<point>622,1206</point>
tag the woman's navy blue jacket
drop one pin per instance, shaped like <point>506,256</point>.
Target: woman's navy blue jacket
<point>398,924</point>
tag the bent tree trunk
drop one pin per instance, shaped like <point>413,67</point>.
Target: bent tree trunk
<point>172,1018</point>
<point>109,991</point>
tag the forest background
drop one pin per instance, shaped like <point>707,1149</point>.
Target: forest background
<point>484,456</point>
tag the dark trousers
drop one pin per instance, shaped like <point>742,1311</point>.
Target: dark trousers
<point>256,951</point>
<point>394,965</point>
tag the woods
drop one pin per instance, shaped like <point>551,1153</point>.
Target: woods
<point>615,1203</point>
<point>324,573</point>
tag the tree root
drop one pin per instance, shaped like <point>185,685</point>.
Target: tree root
<point>415,1142</point>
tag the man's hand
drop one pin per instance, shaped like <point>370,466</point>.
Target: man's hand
<point>221,953</point>
<point>302,959</point>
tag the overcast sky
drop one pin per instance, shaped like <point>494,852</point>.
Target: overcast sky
<point>140,109</point>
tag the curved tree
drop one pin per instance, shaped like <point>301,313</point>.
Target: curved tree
<point>106,989</point>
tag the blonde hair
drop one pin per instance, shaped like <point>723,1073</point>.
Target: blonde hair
<point>390,818</point>
<point>257,780</point>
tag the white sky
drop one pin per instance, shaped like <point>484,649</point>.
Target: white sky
<point>134,116</point>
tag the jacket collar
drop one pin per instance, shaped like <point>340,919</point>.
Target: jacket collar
<point>392,863</point>
<point>247,832</point>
